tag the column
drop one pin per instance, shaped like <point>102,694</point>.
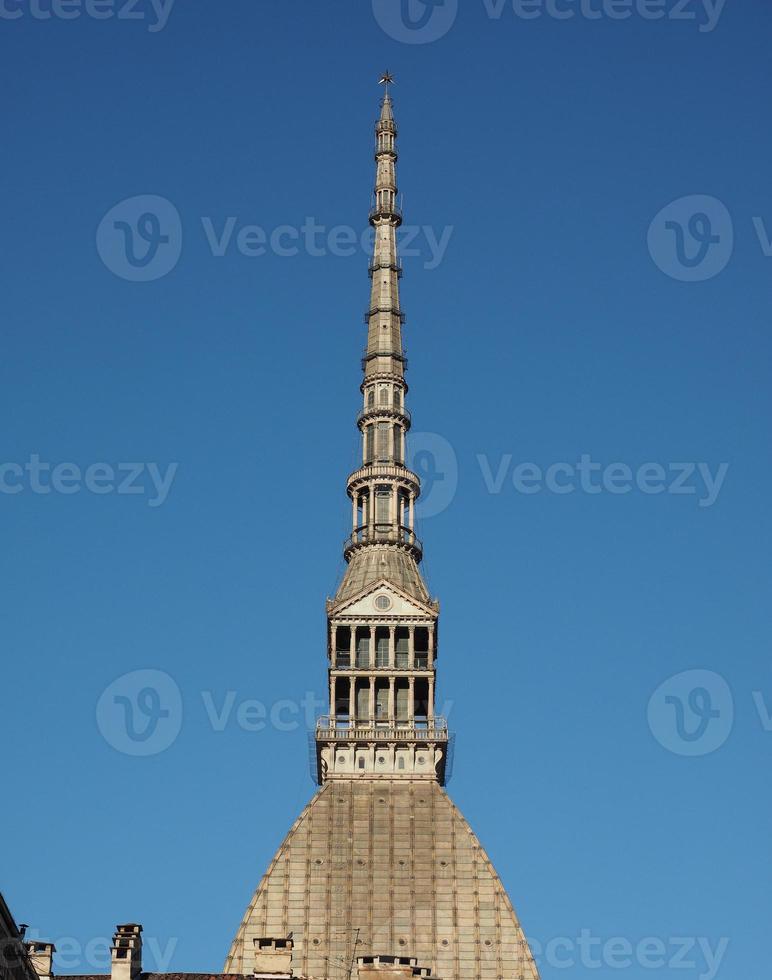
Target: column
<point>332,697</point>
<point>411,648</point>
<point>371,701</point>
<point>352,648</point>
<point>430,706</point>
<point>392,646</point>
<point>431,646</point>
<point>392,710</point>
<point>411,511</point>
<point>371,658</point>
<point>354,503</point>
<point>352,708</point>
<point>411,700</point>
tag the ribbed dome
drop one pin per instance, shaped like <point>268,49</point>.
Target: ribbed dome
<point>371,565</point>
<point>394,863</point>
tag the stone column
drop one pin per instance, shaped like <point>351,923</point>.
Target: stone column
<point>372,647</point>
<point>392,708</point>
<point>411,700</point>
<point>332,697</point>
<point>352,704</point>
<point>371,701</point>
<point>392,646</point>
<point>352,650</point>
<point>411,648</point>
<point>430,705</point>
<point>411,511</point>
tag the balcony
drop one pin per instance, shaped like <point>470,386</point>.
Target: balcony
<point>373,268</point>
<point>392,310</point>
<point>393,211</point>
<point>383,534</point>
<point>343,662</point>
<point>386,730</point>
<point>369,355</point>
<point>394,409</point>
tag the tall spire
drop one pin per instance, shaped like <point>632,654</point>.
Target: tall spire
<point>382,623</point>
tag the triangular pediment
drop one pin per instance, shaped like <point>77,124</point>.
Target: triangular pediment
<point>371,602</point>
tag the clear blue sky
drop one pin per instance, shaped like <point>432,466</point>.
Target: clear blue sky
<point>546,332</point>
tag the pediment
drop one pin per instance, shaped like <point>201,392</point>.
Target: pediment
<point>371,603</point>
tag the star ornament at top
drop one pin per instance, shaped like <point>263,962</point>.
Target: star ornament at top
<point>386,79</point>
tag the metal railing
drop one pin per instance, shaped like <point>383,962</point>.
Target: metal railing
<point>383,534</point>
<point>393,408</point>
<point>394,267</point>
<point>393,310</point>
<point>369,355</point>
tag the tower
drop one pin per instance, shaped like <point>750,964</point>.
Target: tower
<point>381,872</point>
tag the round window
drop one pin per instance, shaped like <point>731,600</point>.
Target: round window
<point>382,602</point>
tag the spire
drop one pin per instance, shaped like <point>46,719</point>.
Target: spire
<point>382,625</point>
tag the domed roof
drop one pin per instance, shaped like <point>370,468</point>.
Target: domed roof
<point>378,866</point>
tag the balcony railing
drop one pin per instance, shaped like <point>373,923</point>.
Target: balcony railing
<point>343,662</point>
<point>376,267</point>
<point>393,310</point>
<point>387,730</point>
<point>387,211</point>
<point>383,534</point>
<point>392,408</point>
<point>369,355</point>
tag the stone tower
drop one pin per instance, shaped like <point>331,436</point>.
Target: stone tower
<point>381,873</point>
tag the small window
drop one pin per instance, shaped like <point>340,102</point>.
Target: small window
<point>361,762</point>
<point>382,602</point>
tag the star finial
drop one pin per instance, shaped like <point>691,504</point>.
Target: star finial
<point>386,79</point>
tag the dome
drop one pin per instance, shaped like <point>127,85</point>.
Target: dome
<point>377,866</point>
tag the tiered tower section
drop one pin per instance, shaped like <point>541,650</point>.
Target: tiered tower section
<point>382,625</point>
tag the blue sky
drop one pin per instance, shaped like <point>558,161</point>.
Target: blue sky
<point>558,324</point>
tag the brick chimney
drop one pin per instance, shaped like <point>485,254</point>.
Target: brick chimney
<point>273,958</point>
<point>126,952</point>
<point>41,956</point>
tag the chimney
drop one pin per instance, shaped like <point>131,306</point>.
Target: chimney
<point>41,956</point>
<point>273,958</point>
<point>391,968</point>
<point>126,952</point>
